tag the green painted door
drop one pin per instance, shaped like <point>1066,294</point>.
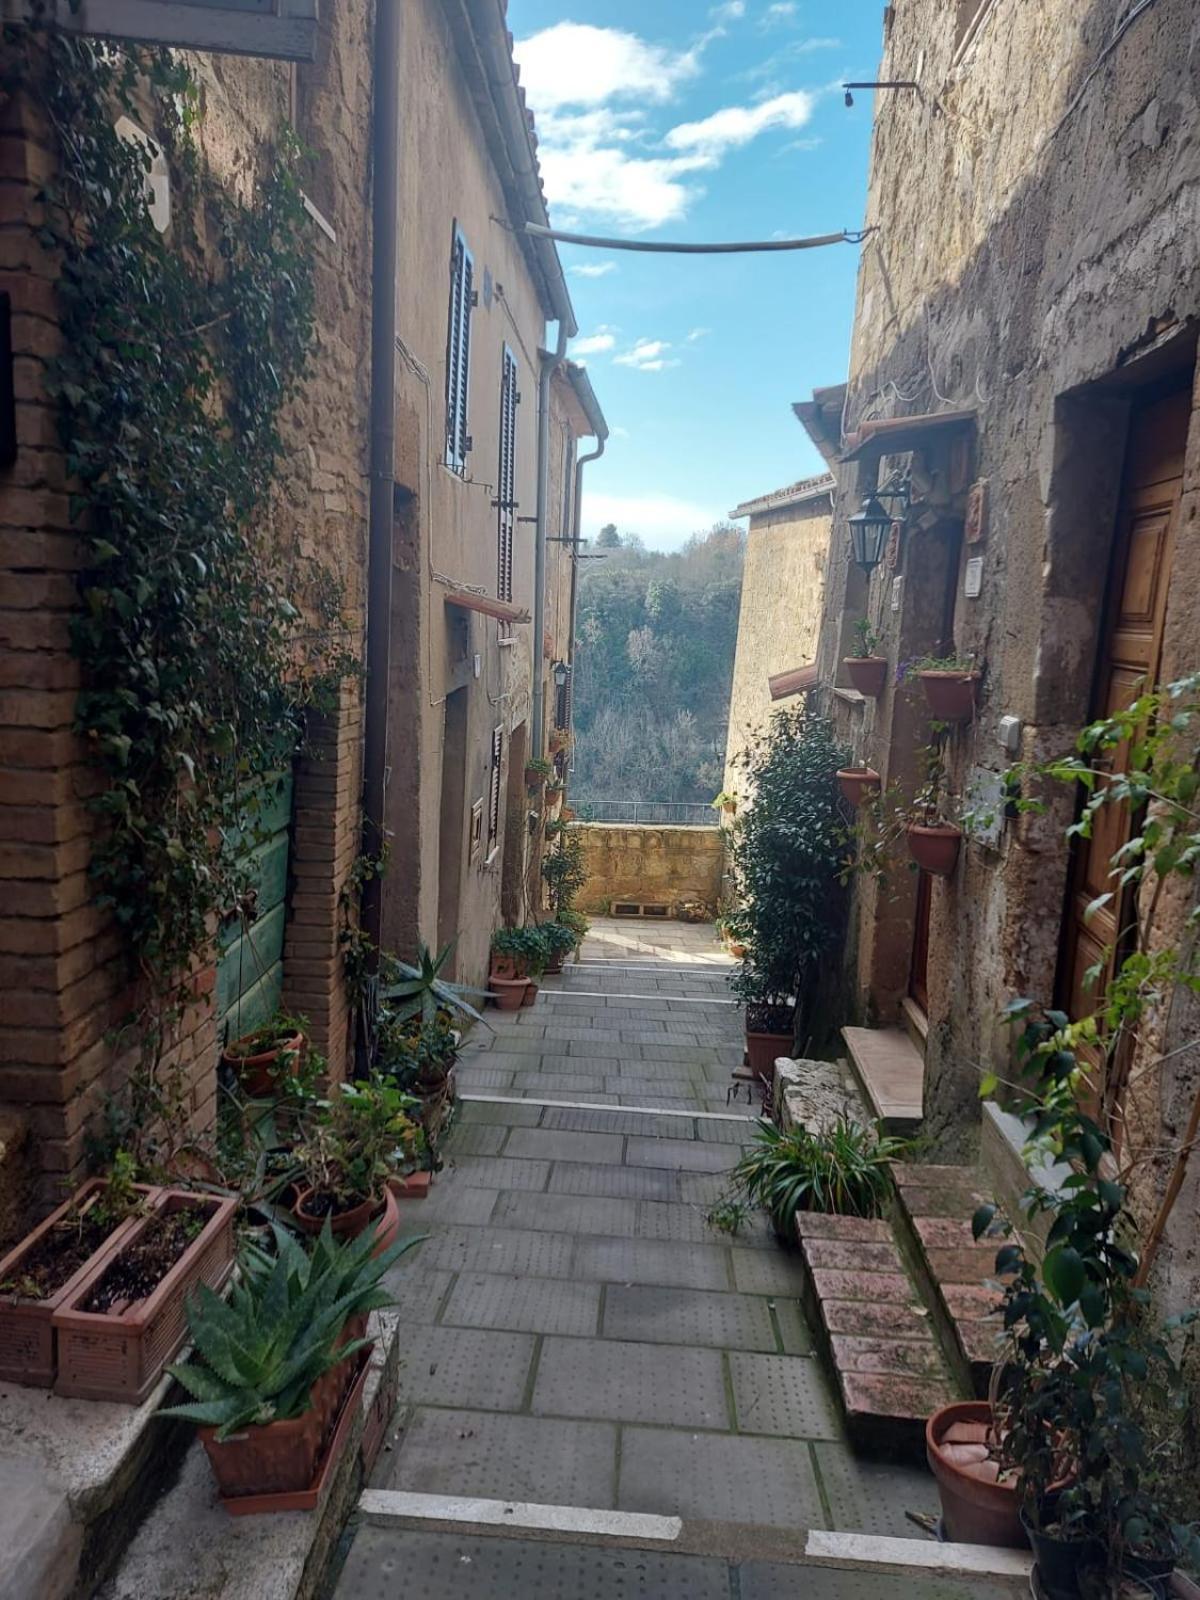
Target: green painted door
<point>250,964</point>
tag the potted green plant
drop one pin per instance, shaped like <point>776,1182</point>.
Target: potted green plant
<point>279,1368</point>
<point>560,942</point>
<point>365,1134</point>
<point>866,670</point>
<point>856,783</point>
<point>842,1168</point>
<point>933,841</point>
<point>515,953</point>
<point>950,685</point>
<point>258,1059</point>
<point>578,924</point>
<point>537,772</point>
<point>564,870</point>
<point>725,803</point>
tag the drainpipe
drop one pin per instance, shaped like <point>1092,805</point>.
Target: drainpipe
<point>592,455</point>
<point>385,155</point>
<point>550,364</point>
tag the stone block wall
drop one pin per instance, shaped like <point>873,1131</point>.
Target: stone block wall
<point>676,867</point>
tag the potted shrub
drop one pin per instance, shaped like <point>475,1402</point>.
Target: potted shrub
<point>274,1419</point>
<point>978,1492</point>
<point>537,772</point>
<point>725,803</point>
<point>515,952</point>
<point>416,999</point>
<point>842,1168</point>
<point>770,1019</point>
<point>856,783</point>
<point>260,1058</point>
<point>578,924</point>
<point>42,1272</point>
<point>950,685</point>
<point>560,941</point>
<point>364,1136</point>
<point>933,842</point>
<point>866,670</point>
<point>537,959</point>
<point>125,1319</point>
<point>564,871</point>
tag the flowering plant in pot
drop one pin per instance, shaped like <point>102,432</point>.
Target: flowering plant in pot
<point>365,1134</point>
<point>866,670</point>
<point>933,841</point>
<point>950,684</point>
<point>280,1365</point>
<point>258,1060</point>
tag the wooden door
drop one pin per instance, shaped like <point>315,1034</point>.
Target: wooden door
<point>1130,648</point>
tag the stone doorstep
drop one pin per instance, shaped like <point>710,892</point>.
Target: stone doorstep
<point>935,1208</point>
<point>189,1545</point>
<point>890,1071</point>
<point>888,1366</point>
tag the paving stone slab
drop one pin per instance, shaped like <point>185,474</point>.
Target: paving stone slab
<point>475,1139</point>
<point>687,1316</point>
<point>715,1130</point>
<point>521,1304</point>
<point>618,1122</point>
<point>633,1183</point>
<point>794,1331</point>
<point>767,1272</point>
<point>576,1086</point>
<point>662,1102</point>
<point>542,1255</point>
<point>494,1172</point>
<point>447,1202</point>
<point>384,1563</point>
<point>593,1097</point>
<point>702,1188</point>
<point>699,1056</point>
<point>872,1497</point>
<point>719,1477</point>
<point>760,1580</point>
<point>783,1395</point>
<point>567,1213</point>
<point>509,1113</point>
<point>682,1223</point>
<point>528,1043</point>
<point>504,1458</point>
<point>418,1290</point>
<point>674,1083</point>
<point>684,1155</point>
<point>552,1144</point>
<point>631,1383</point>
<point>653,1261</point>
<point>464,1367</point>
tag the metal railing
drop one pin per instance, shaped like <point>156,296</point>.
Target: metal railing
<point>663,813</point>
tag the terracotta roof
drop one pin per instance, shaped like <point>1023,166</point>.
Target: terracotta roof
<point>795,494</point>
<point>888,436</point>
<point>798,681</point>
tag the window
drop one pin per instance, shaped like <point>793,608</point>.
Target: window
<point>493,822</point>
<point>458,352</point>
<point>506,477</point>
<point>285,30</point>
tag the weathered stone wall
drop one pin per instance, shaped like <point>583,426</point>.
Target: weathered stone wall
<point>1036,261</point>
<point>676,867</point>
<point>783,589</point>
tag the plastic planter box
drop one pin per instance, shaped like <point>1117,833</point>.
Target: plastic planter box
<point>121,1355</point>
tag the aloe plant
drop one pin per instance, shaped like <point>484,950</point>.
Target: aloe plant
<point>259,1354</point>
<point>422,991</point>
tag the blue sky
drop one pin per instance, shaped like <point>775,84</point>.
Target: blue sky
<point>702,121</point>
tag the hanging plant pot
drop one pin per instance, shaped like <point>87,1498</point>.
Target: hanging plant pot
<point>856,783</point>
<point>975,1510</point>
<point>868,674</point>
<point>950,695</point>
<point>934,849</point>
<point>259,1058</point>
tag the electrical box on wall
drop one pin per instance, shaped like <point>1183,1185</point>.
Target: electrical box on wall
<point>983,807</point>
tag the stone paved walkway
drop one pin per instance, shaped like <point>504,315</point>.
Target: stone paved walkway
<point>575,1333</point>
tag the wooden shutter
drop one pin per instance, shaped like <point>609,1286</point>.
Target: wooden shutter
<point>458,352</point>
<point>506,494</point>
<point>562,707</point>
<point>284,30</point>
<point>494,789</point>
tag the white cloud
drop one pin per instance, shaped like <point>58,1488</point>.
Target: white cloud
<point>618,432</point>
<point>575,64</point>
<point>588,179</point>
<point>734,126</point>
<point>593,269</point>
<point>731,11</point>
<point>698,333</point>
<point>647,355</point>
<point>595,344</point>
<point>781,11</point>
<point>664,521</point>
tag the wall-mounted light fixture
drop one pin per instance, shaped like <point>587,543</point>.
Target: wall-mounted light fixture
<point>892,83</point>
<point>560,674</point>
<point>869,529</point>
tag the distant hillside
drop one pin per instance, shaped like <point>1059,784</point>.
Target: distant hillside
<point>653,667</point>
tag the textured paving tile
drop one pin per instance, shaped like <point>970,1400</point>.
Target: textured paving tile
<point>560,1117</point>
<point>560,1085</point>
<point>682,1223</point>
<point>702,1188</point>
<point>447,1201</point>
<point>687,1316</point>
<point>717,1131</point>
<point>464,1367</point>
<point>631,1383</point>
<point>505,1458</point>
<point>634,1183</point>
<point>793,1326</point>
<point>542,1255</point>
<point>476,1139</point>
<point>418,1290</point>
<point>870,1496</point>
<point>486,1172</point>
<point>784,1395</point>
<point>685,1155</point>
<point>719,1477</point>
<point>652,1261</point>
<point>548,1144</point>
<point>593,1097</point>
<point>521,1304</point>
<point>764,1271</point>
<point>508,1113</point>
<point>566,1213</point>
<point>762,1580</point>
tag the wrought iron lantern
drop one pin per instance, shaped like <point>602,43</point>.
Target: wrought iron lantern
<point>869,529</point>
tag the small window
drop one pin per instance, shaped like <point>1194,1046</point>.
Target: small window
<point>506,477</point>
<point>458,352</point>
<point>493,821</point>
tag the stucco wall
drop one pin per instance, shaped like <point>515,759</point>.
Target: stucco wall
<point>1036,242</point>
<point>783,589</point>
<point>678,867</point>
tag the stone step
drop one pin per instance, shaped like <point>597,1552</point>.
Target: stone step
<point>935,1207</point>
<point>891,1073</point>
<point>878,1335</point>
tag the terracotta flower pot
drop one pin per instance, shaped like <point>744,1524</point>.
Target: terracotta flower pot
<point>950,695</point>
<point>349,1224</point>
<point>255,1073</point>
<point>868,674</point>
<point>120,1354</point>
<point>974,1510</point>
<point>411,1185</point>
<point>508,993</point>
<point>763,1048</point>
<point>856,783</point>
<point>504,967</point>
<point>934,849</point>
<point>27,1340</point>
<point>531,992</point>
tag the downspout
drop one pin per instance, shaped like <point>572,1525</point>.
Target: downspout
<point>577,520</point>
<point>550,364</point>
<point>385,157</point>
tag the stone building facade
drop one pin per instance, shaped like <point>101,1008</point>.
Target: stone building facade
<point>462,677</point>
<point>1024,348</point>
<point>783,592</point>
